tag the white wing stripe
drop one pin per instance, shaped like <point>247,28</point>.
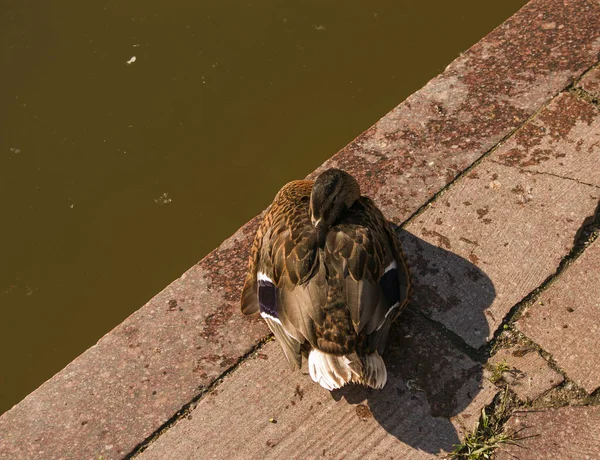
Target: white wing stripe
<point>396,305</point>
<point>263,277</point>
<point>272,318</point>
<point>390,267</point>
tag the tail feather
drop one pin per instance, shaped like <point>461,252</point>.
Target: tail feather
<point>335,371</point>
<point>375,373</point>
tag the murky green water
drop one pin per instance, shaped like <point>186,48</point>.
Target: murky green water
<point>116,177</point>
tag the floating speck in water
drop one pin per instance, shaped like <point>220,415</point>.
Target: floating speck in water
<point>71,206</point>
<point>131,60</point>
<point>14,150</point>
<point>319,27</point>
<point>163,199</point>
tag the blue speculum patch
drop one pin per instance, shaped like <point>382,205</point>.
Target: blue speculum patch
<point>267,298</point>
<point>389,285</point>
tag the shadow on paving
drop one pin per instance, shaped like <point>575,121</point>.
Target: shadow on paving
<point>430,379</point>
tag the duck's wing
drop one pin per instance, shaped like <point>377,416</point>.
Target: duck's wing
<point>282,260</point>
<point>295,270</point>
<point>365,249</point>
<point>397,286</point>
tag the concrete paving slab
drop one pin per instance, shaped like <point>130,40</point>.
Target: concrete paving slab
<point>563,139</point>
<point>480,98</point>
<point>591,82</point>
<point>566,320</point>
<point>264,410</point>
<point>527,374</point>
<point>568,433</point>
<point>513,225</point>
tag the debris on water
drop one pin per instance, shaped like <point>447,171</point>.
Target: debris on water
<point>14,150</point>
<point>131,60</point>
<point>319,27</point>
<point>163,199</point>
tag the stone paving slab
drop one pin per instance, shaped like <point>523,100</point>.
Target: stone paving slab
<point>566,320</point>
<point>264,410</point>
<point>137,377</point>
<point>591,82</point>
<point>528,374</point>
<point>568,433</point>
<point>563,139</point>
<point>514,226</point>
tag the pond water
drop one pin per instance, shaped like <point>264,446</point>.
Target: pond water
<point>136,135</point>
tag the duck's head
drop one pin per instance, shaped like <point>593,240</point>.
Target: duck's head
<point>332,194</point>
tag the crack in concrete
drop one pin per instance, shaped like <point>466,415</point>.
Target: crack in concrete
<point>546,173</point>
<point>476,163</point>
<point>570,88</point>
<point>562,177</point>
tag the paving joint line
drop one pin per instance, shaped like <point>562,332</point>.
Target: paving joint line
<point>586,235</point>
<point>480,159</point>
<point>191,405</point>
<point>451,336</point>
<point>571,87</point>
<point>519,338</point>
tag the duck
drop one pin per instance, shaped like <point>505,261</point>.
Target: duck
<point>328,275</point>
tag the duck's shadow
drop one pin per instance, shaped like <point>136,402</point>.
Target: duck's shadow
<point>430,379</point>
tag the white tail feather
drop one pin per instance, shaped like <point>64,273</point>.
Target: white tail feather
<point>333,371</point>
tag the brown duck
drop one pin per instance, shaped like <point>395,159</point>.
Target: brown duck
<point>328,275</point>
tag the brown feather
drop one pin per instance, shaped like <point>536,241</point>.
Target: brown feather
<point>290,346</point>
<point>249,298</point>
